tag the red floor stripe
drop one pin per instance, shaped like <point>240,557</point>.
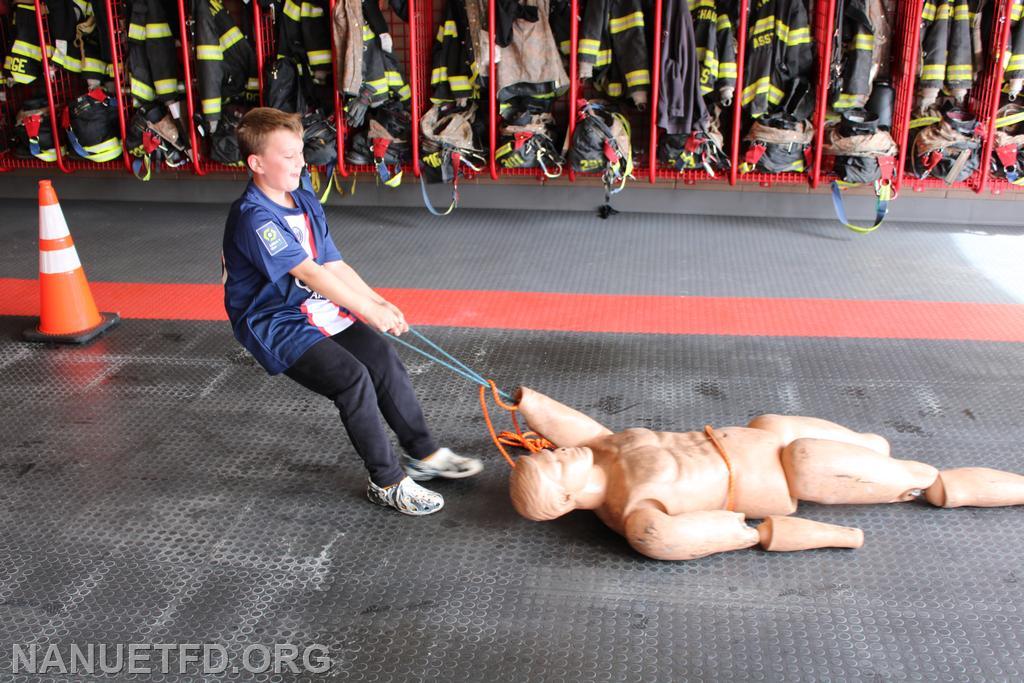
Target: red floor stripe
<point>596,312</point>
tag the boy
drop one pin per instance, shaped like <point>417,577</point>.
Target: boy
<point>293,303</point>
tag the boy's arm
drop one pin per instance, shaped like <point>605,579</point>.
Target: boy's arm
<point>321,280</point>
<point>350,277</point>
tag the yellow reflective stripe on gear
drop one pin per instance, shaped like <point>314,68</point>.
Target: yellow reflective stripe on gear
<point>1016,62</point>
<point>252,84</point>
<point>136,32</point>
<point>211,106</point>
<point>68,62</point>
<point>723,23</point>
<point>627,22</point>
<point>158,31</point>
<point>318,57</point>
<point>311,10</point>
<point>439,74</point>
<point>292,11</point>
<point>30,8</point>
<point>638,77</point>
<point>24,49</point>
<point>761,85</point>
<point>846,100</point>
<point>378,85</point>
<point>959,72</point>
<point>924,121</point>
<point>459,83</point>
<point>94,66</point>
<point>107,146</point>
<point>694,4</point>
<point>1018,10</point>
<point>727,70</point>
<point>928,13</point>
<point>565,46</point>
<point>933,72</point>
<point>404,93</point>
<point>961,13</point>
<point>589,46</point>
<point>368,33</point>
<point>449,29</point>
<point>166,86</point>
<point>796,36</point>
<point>209,52</point>
<point>775,95</point>
<point>230,37</point>
<point>142,90</point>
<point>864,41</point>
<point>762,25</point>
<point>943,12</point>
<point>21,78</point>
<point>394,78</point>
<point>46,155</point>
<point>603,57</point>
<point>1004,121</point>
<point>614,89</point>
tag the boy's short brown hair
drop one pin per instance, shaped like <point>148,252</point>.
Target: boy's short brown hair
<point>257,125</point>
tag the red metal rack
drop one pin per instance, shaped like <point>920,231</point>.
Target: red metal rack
<point>7,96</point>
<point>902,74</point>
<point>1001,37</point>
<point>819,19</point>
<point>982,101</point>
<point>189,66</point>
<point>409,41</point>
<point>117,30</point>
<point>655,169</point>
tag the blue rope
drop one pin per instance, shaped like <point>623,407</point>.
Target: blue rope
<point>462,370</point>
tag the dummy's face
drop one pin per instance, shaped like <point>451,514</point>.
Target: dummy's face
<point>280,165</point>
<point>544,486</point>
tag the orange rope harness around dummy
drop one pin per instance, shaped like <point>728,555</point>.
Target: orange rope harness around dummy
<point>710,431</point>
<point>531,441</point>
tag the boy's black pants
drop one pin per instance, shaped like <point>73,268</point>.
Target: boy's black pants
<point>361,372</point>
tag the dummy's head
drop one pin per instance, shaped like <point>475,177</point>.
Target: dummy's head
<point>270,142</point>
<point>546,485</point>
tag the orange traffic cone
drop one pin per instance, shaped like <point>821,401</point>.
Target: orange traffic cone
<point>68,312</point>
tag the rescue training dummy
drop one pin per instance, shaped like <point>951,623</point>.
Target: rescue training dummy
<point>684,495</point>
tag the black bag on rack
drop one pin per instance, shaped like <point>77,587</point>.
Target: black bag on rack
<point>949,149</point>
<point>224,140</point>
<point>33,134</point>
<point>319,140</point>
<point>93,126</point>
<point>778,143</point>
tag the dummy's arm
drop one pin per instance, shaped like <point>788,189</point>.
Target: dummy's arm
<point>688,535</point>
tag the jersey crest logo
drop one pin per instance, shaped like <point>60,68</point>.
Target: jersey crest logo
<point>271,237</point>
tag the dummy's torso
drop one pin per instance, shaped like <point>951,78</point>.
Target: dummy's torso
<point>684,472</point>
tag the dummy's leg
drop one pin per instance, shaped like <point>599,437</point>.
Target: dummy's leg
<point>792,427</point>
<point>688,535</point>
<point>977,486</point>
<point>832,472</point>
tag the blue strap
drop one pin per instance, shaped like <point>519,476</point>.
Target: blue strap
<point>881,209</point>
<point>75,145</point>
<point>462,370</point>
<point>426,199</point>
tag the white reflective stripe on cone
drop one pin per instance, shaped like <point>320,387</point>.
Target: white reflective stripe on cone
<point>51,223</point>
<point>58,261</point>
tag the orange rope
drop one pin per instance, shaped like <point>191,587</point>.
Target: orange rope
<point>710,431</point>
<point>531,441</point>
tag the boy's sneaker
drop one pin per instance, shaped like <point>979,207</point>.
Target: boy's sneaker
<point>407,497</point>
<point>442,463</point>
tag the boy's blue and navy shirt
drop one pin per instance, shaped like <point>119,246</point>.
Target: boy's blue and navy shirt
<point>274,314</point>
